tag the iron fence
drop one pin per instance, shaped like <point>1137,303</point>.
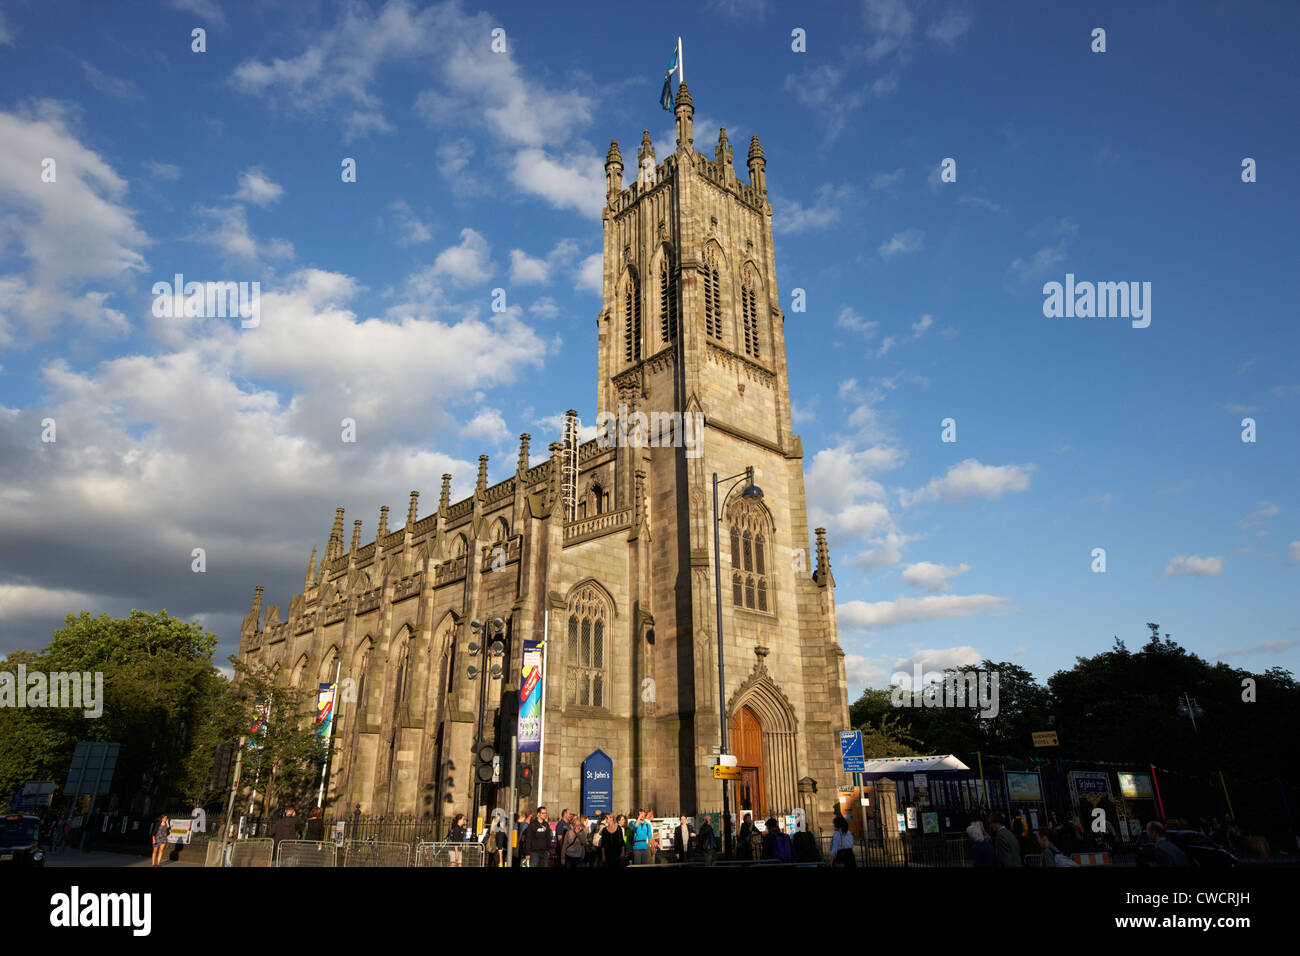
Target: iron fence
<point>259,851</point>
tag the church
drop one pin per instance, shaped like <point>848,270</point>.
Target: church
<point>605,551</point>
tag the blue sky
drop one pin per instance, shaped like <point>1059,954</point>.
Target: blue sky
<point>479,170</point>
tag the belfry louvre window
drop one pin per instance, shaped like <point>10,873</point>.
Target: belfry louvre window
<point>749,543</point>
<point>588,623</point>
<point>632,321</point>
<point>749,310</point>
<point>667,299</point>
<point>712,296</point>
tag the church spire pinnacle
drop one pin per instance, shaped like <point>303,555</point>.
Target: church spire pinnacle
<point>684,112</point>
<point>822,575</point>
<point>613,171</point>
<point>383,522</point>
<point>311,571</point>
<point>757,166</point>
<point>412,510</point>
<point>335,546</point>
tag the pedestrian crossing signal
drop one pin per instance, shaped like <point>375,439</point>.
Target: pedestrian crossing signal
<point>524,782</point>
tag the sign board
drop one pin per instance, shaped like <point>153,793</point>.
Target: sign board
<point>1135,786</point>
<point>597,783</point>
<point>1024,787</point>
<point>727,773</point>
<point>1046,738</point>
<point>922,787</point>
<point>180,830</point>
<point>530,699</point>
<point>911,818</point>
<point>851,751</point>
<point>930,821</point>
<point>338,833</point>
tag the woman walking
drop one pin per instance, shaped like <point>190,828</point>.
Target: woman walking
<point>612,846</point>
<point>457,833</point>
<point>162,828</point>
<point>574,848</point>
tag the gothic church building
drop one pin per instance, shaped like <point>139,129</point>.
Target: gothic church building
<point>607,550</point>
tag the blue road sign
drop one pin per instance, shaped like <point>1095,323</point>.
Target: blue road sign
<point>851,751</point>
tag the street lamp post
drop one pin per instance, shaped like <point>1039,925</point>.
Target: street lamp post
<point>753,492</point>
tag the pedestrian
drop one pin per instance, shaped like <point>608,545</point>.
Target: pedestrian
<point>561,828</point>
<point>745,839</point>
<point>593,839</point>
<point>538,839</point>
<point>776,844</point>
<point>642,833</point>
<point>315,829</point>
<point>842,844</point>
<point>683,840</point>
<point>981,850</point>
<point>519,836</point>
<point>1048,854</point>
<point>1164,850</point>
<point>573,848</point>
<point>457,833</point>
<point>1006,848</point>
<point>162,827</point>
<point>705,841</point>
<point>613,848</point>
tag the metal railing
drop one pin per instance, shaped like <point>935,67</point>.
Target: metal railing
<point>450,854</point>
<point>259,851</point>
<point>376,853</point>
<point>306,853</point>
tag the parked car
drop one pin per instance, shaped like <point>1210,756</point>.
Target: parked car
<point>1201,850</point>
<point>20,841</point>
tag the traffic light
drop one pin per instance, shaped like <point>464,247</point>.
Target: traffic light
<point>485,761</point>
<point>524,781</point>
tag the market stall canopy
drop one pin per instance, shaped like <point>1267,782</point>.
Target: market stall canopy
<point>914,764</point>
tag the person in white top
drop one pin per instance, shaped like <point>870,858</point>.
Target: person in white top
<point>842,844</point>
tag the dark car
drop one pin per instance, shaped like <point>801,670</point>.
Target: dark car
<point>1201,851</point>
<point>20,841</point>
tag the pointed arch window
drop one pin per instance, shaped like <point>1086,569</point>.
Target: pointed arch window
<point>632,320</point>
<point>667,298</point>
<point>750,538</point>
<point>588,629</point>
<point>749,314</point>
<point>712,295</point>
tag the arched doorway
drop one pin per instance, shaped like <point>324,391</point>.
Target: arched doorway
<point>747,745</point>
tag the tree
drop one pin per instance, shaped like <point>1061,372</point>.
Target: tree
<point>284,757</point>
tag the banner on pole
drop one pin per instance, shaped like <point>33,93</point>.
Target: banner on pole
<point>530,699</point>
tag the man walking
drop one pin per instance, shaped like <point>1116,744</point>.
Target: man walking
<point>538,839</point>
<point>561,828</point>
<point>704,841</point>
<point>1006,848</point>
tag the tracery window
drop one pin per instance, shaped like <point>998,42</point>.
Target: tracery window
<point>588,623</point>
<point>749,313</point>
<point>712,294</point>
<point>750,539</point>
<point>667,298</point>
<point>632,320</point>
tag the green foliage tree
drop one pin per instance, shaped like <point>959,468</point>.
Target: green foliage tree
<point>284,760</point>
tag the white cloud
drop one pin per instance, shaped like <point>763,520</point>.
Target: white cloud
<point>1261,514</point>
<point>6,34</point>
<point>525,270</point>
<point>466,263</point>
<point>921,324</point>
<point>849,319</point>
<point>949,27</point>
<point>79,238</point>
<point>902,243</point>
<point>164,171</point>
<point>838,476</point>
<point>1194,564</point>
<point>1295,552</point>
<point>207,9</point>
<point>226,229</point>
<point>591,274</point>
<point>979,202</point>
<point>487,425</point>
<point>256,187</point>
<point>939,660</point>
<point>826,209</point>
<point>889,27</point>
<point>110,86</point>
<point>927,576</point>
<point>1265,647</point>
<point>545,308</point>
<point>410,229</point>
<point>865,616</point>
<point>887,181</point>
<point>972,479</point>
<point>576,181</point>
<point>862,672</point>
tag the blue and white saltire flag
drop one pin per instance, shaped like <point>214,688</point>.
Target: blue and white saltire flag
<point>666,94</point>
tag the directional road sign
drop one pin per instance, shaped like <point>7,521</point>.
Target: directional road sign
<point>851,751</point>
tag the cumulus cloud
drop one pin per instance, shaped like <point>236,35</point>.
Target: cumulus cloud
<point>826,209</point>
<point>972,479</point>
<point>1261,514</point>
<point>410,229</point>
<point>591,274</point>
<point>467,262</point>
<point>927,576</point>
<point>1193,564</point>
<point>868,616</point>
<point>258,188</point>
<point>901,243</point>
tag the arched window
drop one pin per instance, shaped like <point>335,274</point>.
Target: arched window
<point>749,312</point>
<point>667,298</point>
<point>712,294</point>
<point>588,626</point>
<point>459,546</point>
<point>500,531</point>
<point>750,536</point>
<point>632,320</point>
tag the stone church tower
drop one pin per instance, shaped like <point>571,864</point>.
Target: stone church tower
<point>606,548</point>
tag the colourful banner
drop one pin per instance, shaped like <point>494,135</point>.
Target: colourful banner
<point>530,699</point>
<point>261,710</point>
<point>324,714</point>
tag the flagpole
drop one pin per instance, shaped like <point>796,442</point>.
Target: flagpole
<point>681,76</point>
